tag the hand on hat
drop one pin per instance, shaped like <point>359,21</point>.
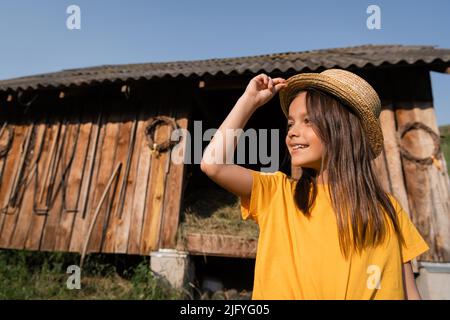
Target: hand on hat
<point>262,88</point>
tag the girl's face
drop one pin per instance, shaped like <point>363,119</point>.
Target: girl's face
<point>300,131</point>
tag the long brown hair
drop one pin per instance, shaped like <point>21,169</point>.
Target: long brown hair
<point>356,193</point>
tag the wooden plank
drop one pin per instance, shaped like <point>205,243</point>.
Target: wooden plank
<point>91,203</point>
<point>156,190</point>
<point>78,180</point>
<point>80,176</point>
<point>174,188</point>
<point>146,162</point>
<point>123,146</point>
<point>51,224</point>
<point>26,208</point>
<point>70,191</point>
<point>89,180</point>
<point>6,130</point>
<point>123,227</point>
<point>219,245</point>
<point>105,170</point>
<point>13,164</point>
<point>35,230</point>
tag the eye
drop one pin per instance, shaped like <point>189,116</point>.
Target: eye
<point>306,120</point>
<point>289,125</point>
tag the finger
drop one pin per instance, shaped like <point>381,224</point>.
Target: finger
<point>266,79</point>
<point>270,84</point>
<point>260,79</point>
<point>280,86</point>
<point>278,80</point>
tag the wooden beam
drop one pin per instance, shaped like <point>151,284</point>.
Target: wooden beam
<point>219,245</point>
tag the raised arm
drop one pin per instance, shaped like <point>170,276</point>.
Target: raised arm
<point>231,177</point>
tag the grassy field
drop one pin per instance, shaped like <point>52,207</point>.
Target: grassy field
<point>445,144</point>
<point>42,275</point>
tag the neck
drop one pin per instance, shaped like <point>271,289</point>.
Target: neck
<point>323,177</point>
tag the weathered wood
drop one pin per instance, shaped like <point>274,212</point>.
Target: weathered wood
<point>89,179</point>
<point>219,245</point>
<point>71,163</point>
<point>80,177</point>
<point>55,199</point>
<point>5,131</point>
<point>123,228</point>
<point>49,166</point>
<point>26,209</point>
<point>393,160</point>
<point>38,221</point>
<point>92,201</point>
<point>17,189</point>
<point>155,197</point>
<point>123,148</point>
<point>97,211</point>
<point>427,187</point>
<point>174,187</point>
<point>381,171</point>
<point>106,166</point>
<point>143,184</point>
<point>12,166</point>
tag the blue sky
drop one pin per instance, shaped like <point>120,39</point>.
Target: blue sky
<point>34,37</point>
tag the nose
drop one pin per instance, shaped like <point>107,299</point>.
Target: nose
<point>293,131</point>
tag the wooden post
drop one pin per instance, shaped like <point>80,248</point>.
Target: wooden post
<point>393,160</point>
<point>427,186</point>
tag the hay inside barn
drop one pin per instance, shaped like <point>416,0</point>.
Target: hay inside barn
<point>215,211</point>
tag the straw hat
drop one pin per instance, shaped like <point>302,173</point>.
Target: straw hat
<point>351,89</point>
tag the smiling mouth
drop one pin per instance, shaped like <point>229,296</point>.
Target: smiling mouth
<point>299,147</point>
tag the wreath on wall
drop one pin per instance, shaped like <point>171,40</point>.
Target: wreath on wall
<point>150,130</point>
<point>426,161</point>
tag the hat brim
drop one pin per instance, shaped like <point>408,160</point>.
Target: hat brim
<point>344,92</point>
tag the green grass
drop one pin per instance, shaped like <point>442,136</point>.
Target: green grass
<point>41,275</point>
<point>445,144</point>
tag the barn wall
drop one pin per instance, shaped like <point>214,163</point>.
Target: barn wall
<point>57,179</point>
<point>420,183</point>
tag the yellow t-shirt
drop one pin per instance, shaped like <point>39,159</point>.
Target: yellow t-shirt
<point>300,258</point>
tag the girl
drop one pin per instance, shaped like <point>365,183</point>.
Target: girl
<point>333,233</point>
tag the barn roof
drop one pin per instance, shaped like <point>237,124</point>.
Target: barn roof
<point>365,56</point>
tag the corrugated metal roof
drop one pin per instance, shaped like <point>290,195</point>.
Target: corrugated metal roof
<point>357,57</point>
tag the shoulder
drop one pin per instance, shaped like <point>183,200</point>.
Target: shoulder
<point>277,180</point>
<point>275,175</point>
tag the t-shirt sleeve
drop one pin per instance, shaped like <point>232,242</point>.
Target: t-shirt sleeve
<point>264,187</point>
<point>414,245</point>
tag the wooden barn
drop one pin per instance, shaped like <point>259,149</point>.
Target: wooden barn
<point>85,154</point>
